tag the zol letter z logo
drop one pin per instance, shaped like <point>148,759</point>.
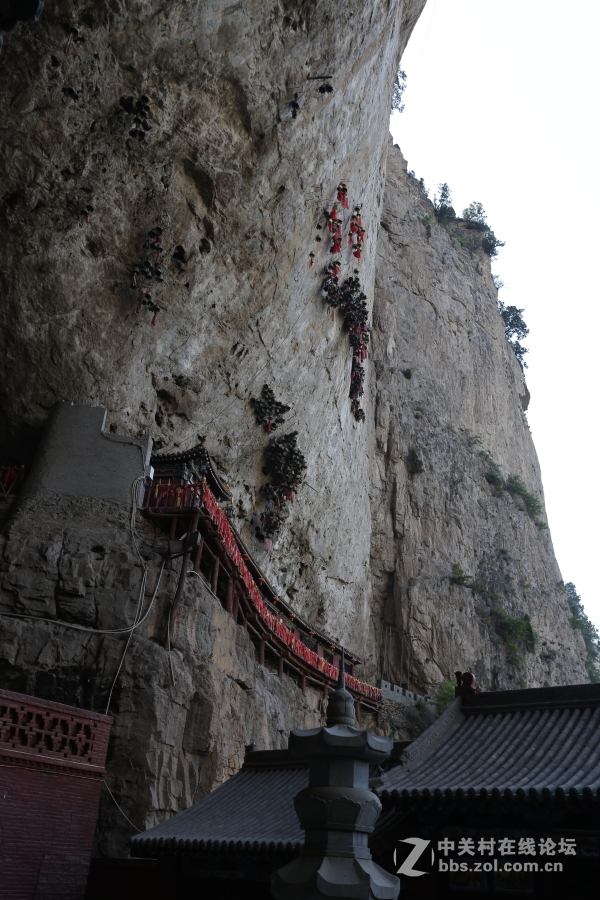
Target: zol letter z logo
<point>407,866</point>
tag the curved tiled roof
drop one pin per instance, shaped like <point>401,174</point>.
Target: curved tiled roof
<point>218,486</point>
<point>534,742</point>
<point>256,806</point>
<point>527,743</point>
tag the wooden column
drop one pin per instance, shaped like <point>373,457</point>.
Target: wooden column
<point>303,683</point>
<point>172,531</point>
<point>230,592</point>
<point>215,576</point>
<point>170,631</point>
<point>198,555</point>
<point>235,607</point>
<point>261,651</point>
<point>280,669</point>
<point>357,707</point>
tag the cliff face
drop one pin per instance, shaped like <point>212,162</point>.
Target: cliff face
<point>238,186</point>
<point>462,410</point>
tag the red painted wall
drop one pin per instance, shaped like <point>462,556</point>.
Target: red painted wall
<point>51,768</point>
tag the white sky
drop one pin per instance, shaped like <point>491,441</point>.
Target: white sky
<point>502,103</point>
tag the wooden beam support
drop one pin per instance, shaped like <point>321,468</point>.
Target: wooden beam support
<point>170,631</point>
<point>172,531</point>
<point>209,550</point>
<point>261,651</point>
<point>215,576</point>
<point>198,555</point>
<point>230,592</point>
<point>280,667</point>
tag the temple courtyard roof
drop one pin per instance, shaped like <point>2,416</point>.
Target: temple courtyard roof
<point>524,744</point>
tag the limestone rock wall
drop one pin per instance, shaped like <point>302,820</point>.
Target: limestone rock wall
<point>239,185</point>
<point>436,315</point>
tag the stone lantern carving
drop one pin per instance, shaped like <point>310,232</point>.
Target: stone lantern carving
<point>337,811</point>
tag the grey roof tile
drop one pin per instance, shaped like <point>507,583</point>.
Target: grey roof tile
<point>538,740</point>
<point>256,805</point>
<point>504,743</point>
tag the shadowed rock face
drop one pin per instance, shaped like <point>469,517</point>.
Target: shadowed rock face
<point>13,12</point>
<point>181,724</point>
<point>237,186</point>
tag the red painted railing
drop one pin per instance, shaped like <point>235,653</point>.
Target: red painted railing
<point>273,622</point>
<point>170,496</point>
<point>44,730</point>
<point>10,477</point>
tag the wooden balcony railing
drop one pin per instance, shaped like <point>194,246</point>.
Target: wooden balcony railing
<point>168,497</point>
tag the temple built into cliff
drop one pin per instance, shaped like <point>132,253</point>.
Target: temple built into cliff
<point>260,431</point>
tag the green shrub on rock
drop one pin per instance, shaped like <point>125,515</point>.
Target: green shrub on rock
<point>588,630</point>
<point>414,463</point>
<point>516,634</point>
<point>444,696</point>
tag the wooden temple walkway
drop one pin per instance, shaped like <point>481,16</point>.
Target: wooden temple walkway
<point>282,639</point>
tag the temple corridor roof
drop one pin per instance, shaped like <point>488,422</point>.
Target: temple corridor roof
<point>252,811</point>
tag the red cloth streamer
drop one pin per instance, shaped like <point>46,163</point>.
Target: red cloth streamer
<point>9,476</point>
<point>342,196</point>
<point>192,496</point>
<point>273,622</point>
